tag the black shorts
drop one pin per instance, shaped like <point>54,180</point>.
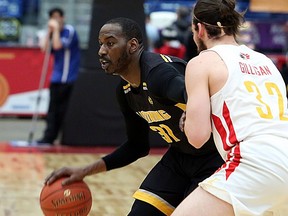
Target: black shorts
<point>173,178</point>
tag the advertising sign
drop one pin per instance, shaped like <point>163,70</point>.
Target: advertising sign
<point>20,75</point>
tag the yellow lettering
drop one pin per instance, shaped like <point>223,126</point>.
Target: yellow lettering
<point>165,132</point>
<point>251,87</point>
<point>154,116</point>
<point>169,131</point>
<point>162,133</point>
<point>271,88</point>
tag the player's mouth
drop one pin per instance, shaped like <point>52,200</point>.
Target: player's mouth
<point>104,64</point>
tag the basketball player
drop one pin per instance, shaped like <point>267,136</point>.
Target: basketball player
<point>244,94</point>
<point>151,95</point>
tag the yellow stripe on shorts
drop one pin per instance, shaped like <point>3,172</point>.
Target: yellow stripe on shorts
<point>154,200</point>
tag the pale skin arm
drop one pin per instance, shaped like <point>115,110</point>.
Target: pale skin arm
<point>202,80</point>
<point>197,125</point>
<point>74,174</point>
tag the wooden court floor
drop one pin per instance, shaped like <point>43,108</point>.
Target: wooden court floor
<point>23,170</point>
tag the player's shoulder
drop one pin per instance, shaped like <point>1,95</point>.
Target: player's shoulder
<point>206,58</point>
<point>202,64</point>
<point>160,58</point>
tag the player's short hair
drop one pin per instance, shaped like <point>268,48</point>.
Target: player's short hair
<point>56,10</point>
<point>130,28</point>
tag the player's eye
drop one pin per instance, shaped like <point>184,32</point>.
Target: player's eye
<point>109,44</point>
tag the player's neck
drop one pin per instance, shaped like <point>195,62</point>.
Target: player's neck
<point>133,74</point>
<point>132,80</point>
<point>225,39</point>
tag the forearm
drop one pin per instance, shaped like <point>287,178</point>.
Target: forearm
<point>74,174</point>
<point>94,168</point>
<point>126,154</point>
<point>137,131</point>
<point>56,40</point>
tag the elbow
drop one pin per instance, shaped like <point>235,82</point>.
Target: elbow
<point>197,140</point>
<point>196,143</point>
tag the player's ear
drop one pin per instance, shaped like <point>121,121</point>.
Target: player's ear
<point>133,45</point>
<point>201,30</point>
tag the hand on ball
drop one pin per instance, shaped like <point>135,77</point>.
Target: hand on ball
<point>72,174</point>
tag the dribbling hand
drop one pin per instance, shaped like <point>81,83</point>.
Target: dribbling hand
<point>72,174</point>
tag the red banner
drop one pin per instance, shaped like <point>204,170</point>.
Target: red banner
<point>20,73</point>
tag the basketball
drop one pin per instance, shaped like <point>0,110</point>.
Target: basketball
<point>73,199</point>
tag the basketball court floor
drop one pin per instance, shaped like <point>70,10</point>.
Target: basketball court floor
<point>23,170</point>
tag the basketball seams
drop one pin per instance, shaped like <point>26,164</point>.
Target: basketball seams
<point>55,191</point>
<point>70,208</point>
<point>78,201</point>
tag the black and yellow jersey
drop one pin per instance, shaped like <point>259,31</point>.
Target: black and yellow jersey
<point>159,101</point>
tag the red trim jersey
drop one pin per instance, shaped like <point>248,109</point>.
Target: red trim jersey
<point>252,102</point>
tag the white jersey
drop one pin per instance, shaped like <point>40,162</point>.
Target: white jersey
<point>255,93</point>
<point>250,129</point>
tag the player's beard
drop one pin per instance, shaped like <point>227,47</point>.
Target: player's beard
<point>122,63</point>
<point>201,45</point>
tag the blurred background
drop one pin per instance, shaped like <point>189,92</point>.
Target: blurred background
<point>94,110</point>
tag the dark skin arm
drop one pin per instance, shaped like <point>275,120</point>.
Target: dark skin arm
<point>171,88</point>
<point>74,174</point>
<point>136,146</point>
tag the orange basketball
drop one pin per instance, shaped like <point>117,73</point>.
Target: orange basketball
<point>74,199</point>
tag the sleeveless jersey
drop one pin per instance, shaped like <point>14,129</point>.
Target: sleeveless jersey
<point>162,114</point>
<point>253,100</point>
